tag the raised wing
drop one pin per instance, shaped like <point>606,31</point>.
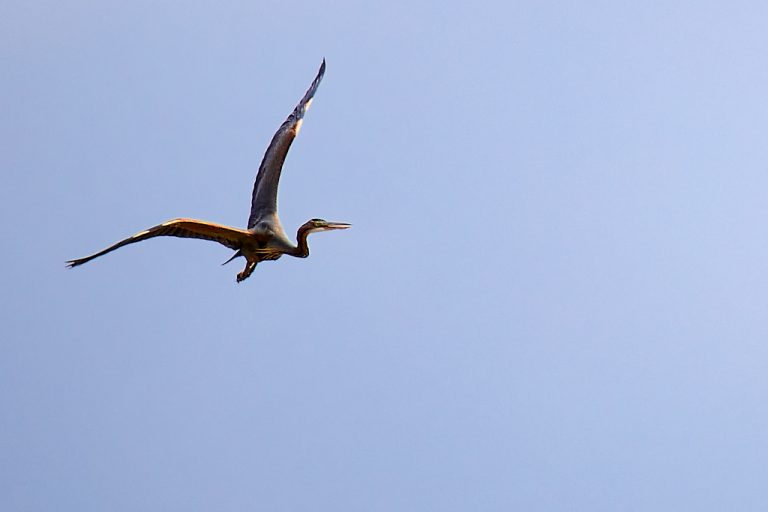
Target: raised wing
<point>183,228</point>
<point>264,201</point>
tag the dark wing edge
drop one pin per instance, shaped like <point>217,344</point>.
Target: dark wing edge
<point>264,198</point>
<point>182,228</point>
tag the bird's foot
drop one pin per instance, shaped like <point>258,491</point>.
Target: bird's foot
<point>247,271</point>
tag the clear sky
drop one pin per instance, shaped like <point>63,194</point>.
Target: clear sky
<point>554,296</point>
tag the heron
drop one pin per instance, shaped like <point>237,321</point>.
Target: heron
<point>265,238</point>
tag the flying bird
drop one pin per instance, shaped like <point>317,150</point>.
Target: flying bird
<point>265,238</point>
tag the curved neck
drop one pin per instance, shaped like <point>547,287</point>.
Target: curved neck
<point>302,249</point>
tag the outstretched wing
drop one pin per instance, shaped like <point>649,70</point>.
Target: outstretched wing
<point>264,201</point>
<point>183,228</point>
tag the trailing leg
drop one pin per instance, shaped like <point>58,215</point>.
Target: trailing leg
<point>247,271</point>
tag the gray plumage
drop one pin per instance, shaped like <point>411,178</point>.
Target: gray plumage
<point>265,238</point>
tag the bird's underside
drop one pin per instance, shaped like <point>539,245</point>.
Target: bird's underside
<point>264,239</point>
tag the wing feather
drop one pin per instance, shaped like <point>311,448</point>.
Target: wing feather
<point>182,228</point>
<point>264,199</point>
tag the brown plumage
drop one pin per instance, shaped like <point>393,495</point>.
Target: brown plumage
<point>265,238</point>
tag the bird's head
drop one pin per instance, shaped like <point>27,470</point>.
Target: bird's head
<point>317,225</point>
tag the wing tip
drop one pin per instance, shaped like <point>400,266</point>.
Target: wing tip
<point>321,71</point>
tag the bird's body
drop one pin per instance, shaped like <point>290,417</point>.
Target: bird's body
<point>265,238</point>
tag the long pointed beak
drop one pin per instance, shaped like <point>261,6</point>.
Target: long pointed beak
<point>338,225</point>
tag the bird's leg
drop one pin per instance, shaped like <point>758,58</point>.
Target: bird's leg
<point>247,271</point>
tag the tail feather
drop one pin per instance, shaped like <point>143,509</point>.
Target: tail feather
<point>237,254</point>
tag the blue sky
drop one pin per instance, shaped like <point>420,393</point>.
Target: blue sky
<point>553,297</point>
